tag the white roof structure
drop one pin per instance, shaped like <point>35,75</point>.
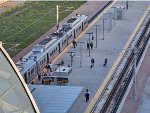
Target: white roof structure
<point>15,96</point>
<point>54,99</point>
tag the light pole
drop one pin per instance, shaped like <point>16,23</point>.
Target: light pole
<point>89,41</point>
<point>96,34</point>
<point>57,14</point>
<point>81,53</point>
<point>103,28</point>
<point>127,4</point>
<point>71,55</point>
<point>114,14</point>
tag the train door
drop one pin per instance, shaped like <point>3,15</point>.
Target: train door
<point>25,77</point>
<point>37,68</point>
<point>74,33</point>
<point>59,47</point>
<point>67,40</point>
<point>47,58</point>
<point>82,26</point>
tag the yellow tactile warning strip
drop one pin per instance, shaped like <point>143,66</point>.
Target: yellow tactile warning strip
<point>77,38</point>
<point>108,76</point>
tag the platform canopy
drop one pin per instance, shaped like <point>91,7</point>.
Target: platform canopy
<point>54,99</point>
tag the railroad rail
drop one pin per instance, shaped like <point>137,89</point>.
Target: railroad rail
<point>113,92</point>
<point>92,17</point>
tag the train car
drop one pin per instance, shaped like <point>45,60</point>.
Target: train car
<point>44,52</point>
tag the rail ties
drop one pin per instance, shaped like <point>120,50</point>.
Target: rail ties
<point>126,67</point>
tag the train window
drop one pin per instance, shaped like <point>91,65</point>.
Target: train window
<point>78,28</point>
<point>85,22</point>
<point>44,59</point>
<point>25,74</point>
<point>32,70</point>
<point>56,48</point>
<point>28,73</point>
<point>69,36</point>
<point>64,41</point>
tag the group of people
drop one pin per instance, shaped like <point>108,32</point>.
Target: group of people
<point>93,61</point>
<point>90,45</point>
<point>87,93</point>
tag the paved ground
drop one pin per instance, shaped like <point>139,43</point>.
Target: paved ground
<point>108,48</point>
<point>131,105</point>
<point>145,102</point>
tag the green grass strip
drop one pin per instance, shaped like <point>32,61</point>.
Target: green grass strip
<point>27,22</point>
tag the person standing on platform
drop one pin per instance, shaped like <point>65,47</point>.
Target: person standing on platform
<point>105,62</point>
<point>87,95</point>
<point>92,62</point>
<point>88,45</point>
<point>74,43</point>
<point>91,44</point>
<point>39,77</point>
<point>50,66</point>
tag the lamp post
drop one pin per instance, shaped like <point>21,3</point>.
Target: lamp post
<point>127,4</point>
<point>103,28</point>
<point>81,53</point>
<point>114,13</point>
<point>89,41</point>
<point>71,55</point>
<point>96,34</point>
<point>57,14</point>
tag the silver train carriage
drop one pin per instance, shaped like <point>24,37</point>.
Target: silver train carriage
<point>32,63</point>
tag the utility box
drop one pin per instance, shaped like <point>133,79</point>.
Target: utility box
<point>119,12</point>
<point>63,71</point>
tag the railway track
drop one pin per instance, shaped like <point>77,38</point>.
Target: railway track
<point>124,72</point>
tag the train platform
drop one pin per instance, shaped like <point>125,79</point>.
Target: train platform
<point>113,42</point>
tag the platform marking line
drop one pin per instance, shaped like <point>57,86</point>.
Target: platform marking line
<point>83,32</point>
<point>108,76</point>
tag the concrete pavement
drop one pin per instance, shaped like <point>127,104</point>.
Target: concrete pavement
<point>109,48</point>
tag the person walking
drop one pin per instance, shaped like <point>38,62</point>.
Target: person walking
<point>50,66</point>
<point>87,95</point>
<point>91,44</point>
<point>105,62</point>
<point>88,45</point>
<point>74,43</point>
<point>39,77</point>
<point>92,62</point>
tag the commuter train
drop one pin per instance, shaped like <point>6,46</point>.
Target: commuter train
<point>44,52</point>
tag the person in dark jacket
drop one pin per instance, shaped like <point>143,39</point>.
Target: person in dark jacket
<point>105,62</point>
<point>91,44</point>
<point>87,95</point>
<point>92,62</point>
<point>88,45</point>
